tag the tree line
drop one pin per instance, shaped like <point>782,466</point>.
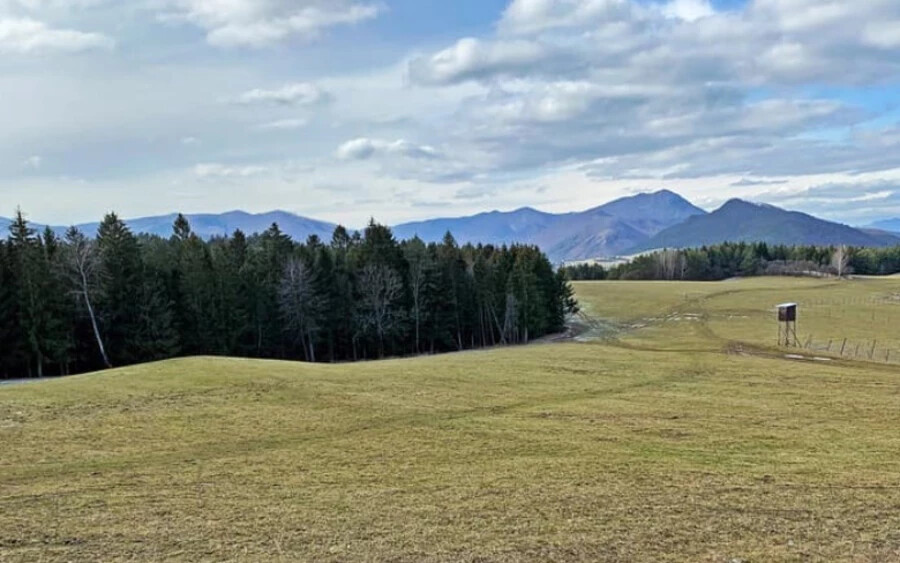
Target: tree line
<point>742,259</point>
<point>79,303</point>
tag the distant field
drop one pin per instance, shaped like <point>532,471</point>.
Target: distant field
<point>674,432</point>
<point>865,312</point>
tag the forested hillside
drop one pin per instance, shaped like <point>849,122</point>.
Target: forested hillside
<point>76,303</point>
<point>742,259</point>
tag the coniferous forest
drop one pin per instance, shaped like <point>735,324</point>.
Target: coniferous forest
<point>79,303</point>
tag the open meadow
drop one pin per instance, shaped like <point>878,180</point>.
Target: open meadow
<point>670,429</point>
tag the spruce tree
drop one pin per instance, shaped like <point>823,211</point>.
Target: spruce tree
<point>120,259</point>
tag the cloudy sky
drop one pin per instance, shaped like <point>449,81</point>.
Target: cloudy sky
<point>407,109</point>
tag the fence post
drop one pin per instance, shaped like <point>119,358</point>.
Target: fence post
<point>844,345</point>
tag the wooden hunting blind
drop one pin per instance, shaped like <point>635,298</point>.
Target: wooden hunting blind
<point>787,312</point>
<point>787,325</point>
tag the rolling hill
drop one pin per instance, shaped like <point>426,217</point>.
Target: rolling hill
<point>739,220</point>
<point>664,446</point>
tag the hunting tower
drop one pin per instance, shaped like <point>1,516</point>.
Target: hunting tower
<point>787,325</point>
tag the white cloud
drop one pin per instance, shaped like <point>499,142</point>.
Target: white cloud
<point>35,5</point>
<point>885,35</point>
<point>213,171</point>
<point>365,148</point>
<point>29,36</point>
<point>259,23</point>
<point>33,163</point>
<point>357,149</point>
<point>688,10</point>
<point>190,141</point>
<point>471,58</point>
<point>554,102</point>
<point>665,89</point>
<point>284,124</point>
<point>405,160</point>
<point>532,16</point>
<point>300,94</point>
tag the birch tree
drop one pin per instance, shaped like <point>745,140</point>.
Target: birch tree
<point>419,271</point>
<point>83,269</point>
<point>840,260</point>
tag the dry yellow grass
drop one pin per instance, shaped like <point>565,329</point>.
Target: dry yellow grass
<point>657,447</point>
<point>863,311</point>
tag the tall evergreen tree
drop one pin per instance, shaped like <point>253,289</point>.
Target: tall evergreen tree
<point>11,342</point>
<point>28,262</point>
<point>121,265</point>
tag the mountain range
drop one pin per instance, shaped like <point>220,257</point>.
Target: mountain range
<point>607,230</point>
<point>210,225</point>
<point>889,225</point>
<point>625,226</point>
<point>742,221</point>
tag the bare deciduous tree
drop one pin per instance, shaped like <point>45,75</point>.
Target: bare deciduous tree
<point>419,265</point>
<point>82,263</point>
<point>840,260</point>
<point>381,289</point>
<point>670,263</point>
<point>511,320</point>
<point>299,304</point>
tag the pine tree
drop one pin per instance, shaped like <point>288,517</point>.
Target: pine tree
<point>155,336</point>
<point>10,332</point>
<point>230,266</point>
<point>196,302</point>
<point>266,267</point>
<point>343,297</point>
<point>121,264</point>
<point>27,259</point>
<point>58,306</point>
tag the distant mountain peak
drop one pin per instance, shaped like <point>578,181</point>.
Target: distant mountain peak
<point>739,220</point>
<point>601,231</point>
<point>890,225</point>
<point>741,207</point>
<point>659,194</point>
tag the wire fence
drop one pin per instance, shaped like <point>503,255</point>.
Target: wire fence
<point>855,349</point>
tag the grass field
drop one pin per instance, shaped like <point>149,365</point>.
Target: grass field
<point>676,433</point>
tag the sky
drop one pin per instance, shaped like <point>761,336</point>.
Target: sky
<point>409,109</point>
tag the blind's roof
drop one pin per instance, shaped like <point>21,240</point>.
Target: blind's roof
<point>786,305</point>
